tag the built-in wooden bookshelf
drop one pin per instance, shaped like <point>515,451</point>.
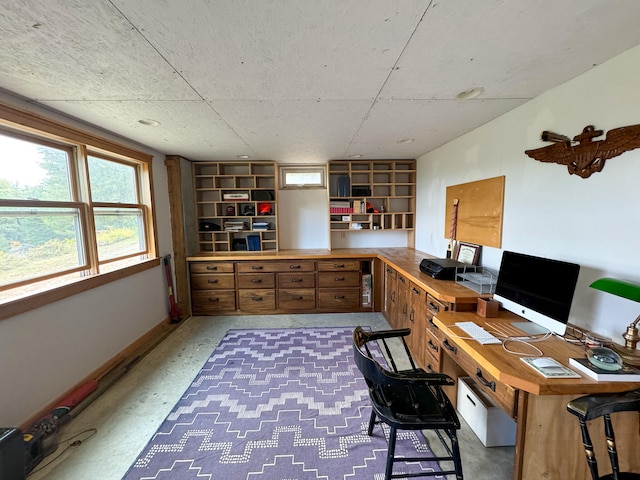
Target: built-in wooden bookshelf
<point>236,206</point>
<point>388,187</point>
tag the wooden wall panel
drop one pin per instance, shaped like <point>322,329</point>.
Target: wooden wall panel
<point>480,211</point>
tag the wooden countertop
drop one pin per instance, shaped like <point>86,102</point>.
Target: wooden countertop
<point>405,260</point>
<point>510,370</point>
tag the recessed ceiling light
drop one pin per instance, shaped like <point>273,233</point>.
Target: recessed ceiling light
<point>244,157</point>
<point>406,140</point>
<point>356,155</point>
<point>471,93</point>
<point>149,122</point>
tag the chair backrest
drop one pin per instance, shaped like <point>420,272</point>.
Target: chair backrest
<point>589,407</point>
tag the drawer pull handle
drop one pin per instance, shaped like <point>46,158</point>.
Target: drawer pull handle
<point>212,281</point>
<point>433,346</point>
<point>434,307</point>
<point>294,266</point>
<point>433,324</point>
<point>411,315</point>
<point>256,280</point>
<point>209,267</point>
<point>471,400</point>
<point>217,299</point>
<point>338,279</point>
<point>404,309</point>
<point>393,296</point>
<point>449,347</point>
<point>416,291</point>
<point>256,298</point>
<point>400,279</point>
<point>298,297</point>
<point>338,265</point>
<point>294,280</point>
<point>484,381</point>
<point>339,297</point>
<point>256,267</point>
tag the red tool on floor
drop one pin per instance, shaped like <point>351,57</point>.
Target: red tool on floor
<point>174,310</point>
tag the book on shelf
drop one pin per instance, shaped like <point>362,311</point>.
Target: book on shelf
<point>627,373</point>
<point>253,242</point>
<point>549,367</point>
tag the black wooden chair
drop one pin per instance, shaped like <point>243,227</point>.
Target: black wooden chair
<point>603,405</point>
<point>406,398</point>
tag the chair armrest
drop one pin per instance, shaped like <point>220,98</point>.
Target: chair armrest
<point>382,334</point>
<point>420,376</point>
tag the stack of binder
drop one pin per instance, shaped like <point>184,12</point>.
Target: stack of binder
<point>253,243</point>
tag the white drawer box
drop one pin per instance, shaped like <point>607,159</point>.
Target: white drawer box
<point>492,426</point>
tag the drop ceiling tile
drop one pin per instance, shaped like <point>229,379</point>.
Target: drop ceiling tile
<point>79,50</point>
<point>204,137</point>
<point>295,131</point>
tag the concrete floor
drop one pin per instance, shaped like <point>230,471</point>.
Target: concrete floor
<point>113,429</point>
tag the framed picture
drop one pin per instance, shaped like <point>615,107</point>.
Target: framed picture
<point>468,253</point>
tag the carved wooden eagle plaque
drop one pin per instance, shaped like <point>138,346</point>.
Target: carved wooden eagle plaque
<point>584,156</point>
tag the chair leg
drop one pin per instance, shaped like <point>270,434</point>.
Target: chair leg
<point>588,449</point>
<point>611,446</point>
<point>455,453</point>
<point>372,422</point>
<point>390,453</point>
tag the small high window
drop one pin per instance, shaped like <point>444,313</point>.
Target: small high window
<point>302,176</point>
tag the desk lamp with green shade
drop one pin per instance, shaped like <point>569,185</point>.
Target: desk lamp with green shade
<point>630,291</point>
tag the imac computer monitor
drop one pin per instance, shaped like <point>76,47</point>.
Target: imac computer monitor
<point>537,289</point>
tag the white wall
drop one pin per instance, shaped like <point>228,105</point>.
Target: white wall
<point>47,351</point>
<point>547,212</point>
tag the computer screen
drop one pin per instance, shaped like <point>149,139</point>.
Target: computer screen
<point>538,289</point>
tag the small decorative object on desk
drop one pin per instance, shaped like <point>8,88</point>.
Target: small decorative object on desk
<point>626,374</point>
<point>549,367</point>
<point>468,253</point>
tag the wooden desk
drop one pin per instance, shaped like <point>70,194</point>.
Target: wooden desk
<point>548,442</point>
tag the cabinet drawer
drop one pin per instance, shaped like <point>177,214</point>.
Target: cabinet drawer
<point>338,265</point>
<point>222,281</point>
<point>297,299</point>
<point>296,280</point>
<point>344,299</point>
<point>338,279</point>
<point>436,306</point>
<point>210,302</point>
<point>503,395</point>
<point>289,266</point>
<point>256,280</point>
<point>211,267</point>
<point>257,300</point>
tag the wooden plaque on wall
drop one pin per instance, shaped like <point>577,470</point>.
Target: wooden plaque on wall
<point>480,207</point>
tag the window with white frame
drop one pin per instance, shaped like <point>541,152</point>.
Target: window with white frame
<point>68,211</point>
<point>302,176</point>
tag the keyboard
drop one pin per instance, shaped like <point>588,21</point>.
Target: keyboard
<point>478,333</point>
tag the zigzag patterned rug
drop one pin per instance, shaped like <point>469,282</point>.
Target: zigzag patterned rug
<point>275,404</point>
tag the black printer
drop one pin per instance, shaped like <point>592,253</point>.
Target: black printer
<point>440,268</point>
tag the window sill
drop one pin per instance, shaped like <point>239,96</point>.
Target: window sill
<point>11,308</point>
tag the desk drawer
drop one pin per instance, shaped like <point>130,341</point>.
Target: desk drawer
<point>338,265</point>
<point>297,299</point>
<point>211,267</point>
<point>296,280</point>
<point>338,279</point>
<point>503,395</point>
<point>211,302</point>
<point>341,299</point>
<point>222,281</point>
<point>256,280</point>
<point>257,300</point>
<point>290,266</point>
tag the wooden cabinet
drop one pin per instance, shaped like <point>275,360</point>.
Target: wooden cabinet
<point>297,286</point>
<point>339,285</point>
<point>402,308</point>
<point>236,206</point>
<point>213,289</point>
<point>367,195</point>
<point>390,294</point>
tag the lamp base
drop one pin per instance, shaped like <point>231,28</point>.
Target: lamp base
<point>629,356</point>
